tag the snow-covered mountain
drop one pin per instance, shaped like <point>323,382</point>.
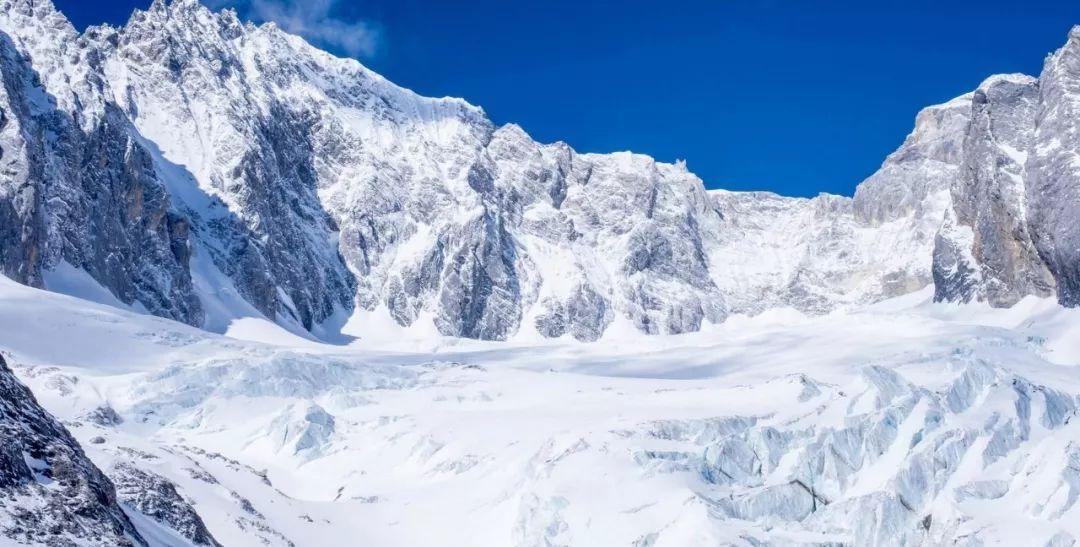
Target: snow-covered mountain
<point>205,169</point>
<point>193,175</point>
<point>317,189</point>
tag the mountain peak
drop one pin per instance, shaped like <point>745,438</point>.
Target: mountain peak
<point>29,7</point>
<point>1014,78</point>
<point>174,5</point>
<point>185,12</point>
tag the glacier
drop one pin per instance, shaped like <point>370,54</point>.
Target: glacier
<point>907,422</point>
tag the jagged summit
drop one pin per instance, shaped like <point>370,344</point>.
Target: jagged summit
<point>1014,78</point>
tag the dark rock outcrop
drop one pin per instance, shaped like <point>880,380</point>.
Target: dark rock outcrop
<point>50,492</point>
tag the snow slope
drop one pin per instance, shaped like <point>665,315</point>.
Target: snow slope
<point>903,422</point>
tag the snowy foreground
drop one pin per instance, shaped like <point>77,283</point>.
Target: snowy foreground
<point>903,423</point>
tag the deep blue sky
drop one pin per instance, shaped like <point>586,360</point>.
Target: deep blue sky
<point>798,97</point>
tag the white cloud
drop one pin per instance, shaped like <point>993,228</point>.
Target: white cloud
<point>314,20</point>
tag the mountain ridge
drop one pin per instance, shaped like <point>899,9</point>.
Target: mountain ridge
<point>302,187</point>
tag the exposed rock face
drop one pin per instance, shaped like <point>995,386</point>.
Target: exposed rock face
<point>584,315</point>
<point>912,178</point>
<point>957,274</point>
<point>157,498</point>
<point>68,147</point>
<point>984,251</point>
<point>22,224</point>
<point>1053,188</point>
<point>907,198</point>
<point>52,493</point>
<point>188,82</point>
<point>479,288</point>
<point>1014,229</point>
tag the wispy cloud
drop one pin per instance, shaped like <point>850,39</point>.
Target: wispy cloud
<point>313,19</point>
